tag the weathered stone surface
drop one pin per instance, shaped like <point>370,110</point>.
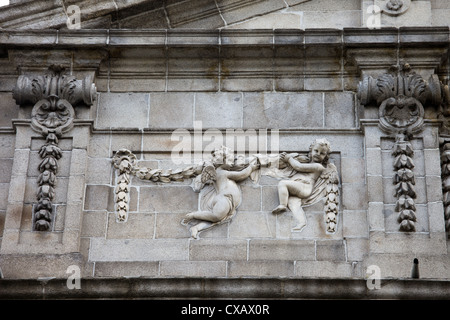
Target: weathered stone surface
<point>171,110</point>
<point>94,224</point>
<point>97,197</point>
<point>326,269</point>
<point>261,268</point>
<point>302,81</point>
<point>330,250</point>
<point>301,110</point>
<point>281,250</point>
<point>175,199</point>
<point>355,224</point>
<point>218,249</point>
<point>219,110</point>
<point>197,269</point>
<point>126,269</point>
<point>110,110</point>
<point>138,226</point>
<point>138,249</point>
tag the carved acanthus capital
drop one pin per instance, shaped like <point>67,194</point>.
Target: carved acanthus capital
<point>401,95</point>
<point>54,95</point>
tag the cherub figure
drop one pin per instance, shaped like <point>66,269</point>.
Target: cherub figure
<point>219,203</point>
<point>307,182</point>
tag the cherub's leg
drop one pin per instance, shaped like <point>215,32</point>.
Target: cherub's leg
<point>283,196</point>
<point>288,187</point>
<point>200,215</point>
<point>220,210</point>
<point>199,227</point>
<point>295,205</point>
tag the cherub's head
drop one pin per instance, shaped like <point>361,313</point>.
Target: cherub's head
<point>221,156</point>
<point>319,151</point>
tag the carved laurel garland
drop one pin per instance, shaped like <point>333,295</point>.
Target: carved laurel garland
<point>125,162</point>
<point>404,181</point>
<point>445,171</point>
<point>53,96</point>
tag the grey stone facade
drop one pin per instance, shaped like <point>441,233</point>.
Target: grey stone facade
<point>236,68</point>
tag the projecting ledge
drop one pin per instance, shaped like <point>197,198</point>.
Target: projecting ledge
<point>351,37</point>
<point>217,288</point>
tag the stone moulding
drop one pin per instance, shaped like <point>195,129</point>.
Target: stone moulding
<point>54,95</point>
<point>223,288</point>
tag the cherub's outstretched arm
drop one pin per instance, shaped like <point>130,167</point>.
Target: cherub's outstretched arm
<point>305,167</point>
<point>243,174</point>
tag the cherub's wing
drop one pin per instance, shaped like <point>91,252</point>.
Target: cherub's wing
<point>330,173</point>
<point>327,189</point>
<point>208,174</point>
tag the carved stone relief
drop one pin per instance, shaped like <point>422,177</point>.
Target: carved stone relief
<point>404,181</point>
<point>401,95</point>
<point>54,95</point>
<point>394,7</point>
<point>307,179</point>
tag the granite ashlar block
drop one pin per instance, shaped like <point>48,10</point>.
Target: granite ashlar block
<point>299,110</point>
<point>330,250</point>
<point>138,249</point>
<point>326,269</point>
<point>197,269</point>
<point>262,249</point>
<point>137,226</point>
<point>218,249</point>
<point>261,268</point>
<point>110,110</point>
<point>170,198</point>
<point>126,269</point>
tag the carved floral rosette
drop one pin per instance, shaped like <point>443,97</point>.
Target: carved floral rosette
<point>393,7</point>
<point>53,95</point>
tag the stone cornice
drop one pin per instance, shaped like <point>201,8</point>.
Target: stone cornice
<point>311,59</point>
<point>216,288</point>
<point>348,37</point>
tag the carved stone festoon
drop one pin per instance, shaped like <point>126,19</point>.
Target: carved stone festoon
<point>126,164</point>
<point>401,96</point>
<point>54,96</point>
<point>404,181</point>
<point>223,172</point>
